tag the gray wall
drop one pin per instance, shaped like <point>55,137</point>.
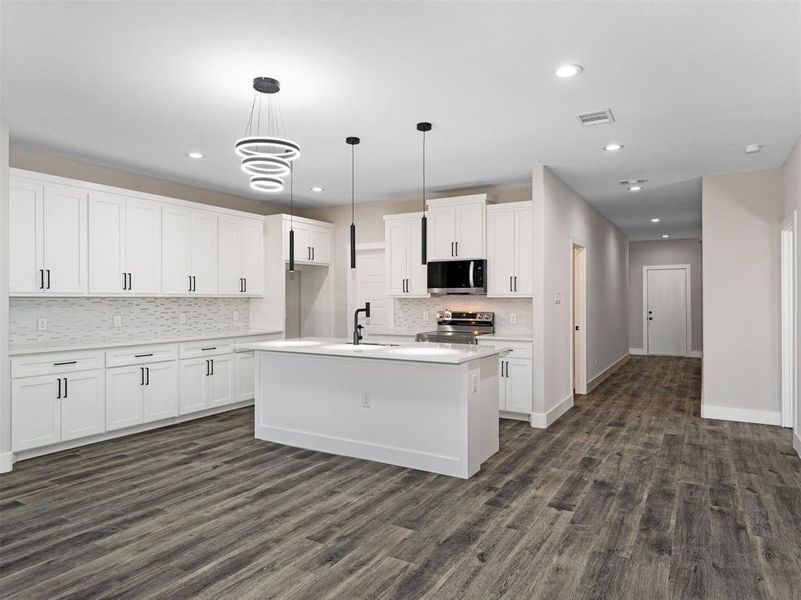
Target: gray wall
<point>668,252</point>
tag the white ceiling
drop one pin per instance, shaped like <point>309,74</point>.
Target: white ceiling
<point>136,85</point>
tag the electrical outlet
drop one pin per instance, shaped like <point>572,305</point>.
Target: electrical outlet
<point>513,318</point>
<point>182,319</point>
<point>117,321</point>
<point>366,400</point>
<point>557,298</point>
<point>236,315</point>
<point>474,382</point>
<point>41,324</point>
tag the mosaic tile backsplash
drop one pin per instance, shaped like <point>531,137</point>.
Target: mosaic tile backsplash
<point>82,319</point>
<point>408,312</point>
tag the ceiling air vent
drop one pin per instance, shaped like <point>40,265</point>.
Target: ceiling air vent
<point>632,181</point>
<point>596,117</point>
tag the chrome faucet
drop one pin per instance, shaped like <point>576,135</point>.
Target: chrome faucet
<point>357,329</point>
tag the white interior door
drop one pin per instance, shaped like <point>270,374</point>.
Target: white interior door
<point>666,312</point>
<point>789,310</point>
<point>578,319</point>
<point>370,287</point>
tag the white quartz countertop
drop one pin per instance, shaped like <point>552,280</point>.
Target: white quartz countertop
<point>119,342</point>
<point>508,337</point>
<point>451,354</point>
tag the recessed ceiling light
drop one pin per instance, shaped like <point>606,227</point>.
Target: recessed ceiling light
<point>566,71</point>
<point>753,148</point>
<point>613,147</point>
<point>316,188</point>
<point>195,155</point>
<point>635,188</point>
<point>665,236</point>
<point>655,220</point>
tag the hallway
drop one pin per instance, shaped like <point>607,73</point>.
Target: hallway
<point>628,495</point>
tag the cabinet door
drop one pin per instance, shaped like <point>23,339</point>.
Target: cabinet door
<point>441,228</point>
<point>65,240</point>
<point>302,248</point>
<point>160,394</point>
<point>500,253</point>
<point>220,385</point>
<point>245,376</point>
<point>397,256</point>
<point>253,256</point>
<point>106,244</point>
<point>502,384</point>
<point>417,273</point>
<point>204,253</point>
<point>35,412</point>
<point>470,230</point>
<point>124,387</point>
<point>230,256</point>
<point>143,246</point>
<point>524,252</point>
<point>24,236</point>
<point>518,385</point>
<point>320,243</point>
<point>176,232</point>
<point>192,386</point>
<point>83,404</point>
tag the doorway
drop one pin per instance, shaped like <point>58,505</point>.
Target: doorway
<point>578,317</point>
<point>667,314</point>
<point>789,331</point>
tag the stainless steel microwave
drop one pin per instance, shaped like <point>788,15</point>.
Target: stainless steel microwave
<point>457,277</point>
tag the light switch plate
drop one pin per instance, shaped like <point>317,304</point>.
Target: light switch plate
<point>557,298</point>
<point>366,400</point>
<point>41,324</point>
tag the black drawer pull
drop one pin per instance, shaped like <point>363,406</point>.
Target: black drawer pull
<point>66,362</point>
<point>143,355</point>
<point>209,348</point>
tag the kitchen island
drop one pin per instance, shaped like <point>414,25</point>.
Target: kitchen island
<point>426,406</point>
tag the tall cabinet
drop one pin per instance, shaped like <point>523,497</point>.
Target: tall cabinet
<point>510,262</point>
<point>47,239</point>
<point>406,276</point>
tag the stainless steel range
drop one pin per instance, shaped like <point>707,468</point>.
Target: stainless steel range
<point>459,327</point>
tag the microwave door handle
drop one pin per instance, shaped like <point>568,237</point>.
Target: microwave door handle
<point>472,265</point>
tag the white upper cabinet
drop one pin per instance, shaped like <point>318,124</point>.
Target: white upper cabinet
<point>47,238</point>
<point>456,228</point>
<point>312,241</point>
<point>510,263</point>
<point>241,264</point>
<point>406,276</point>
<point>189,252</point>
<point>124,245</point>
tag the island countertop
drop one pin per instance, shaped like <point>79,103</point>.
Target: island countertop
<point>427,352</point>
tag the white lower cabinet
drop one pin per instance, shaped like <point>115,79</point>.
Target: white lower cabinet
<point>139,394</point>
<point>245,376</point>
<point>57,408</point>
<point>206,382</point>
<point>516,385</point>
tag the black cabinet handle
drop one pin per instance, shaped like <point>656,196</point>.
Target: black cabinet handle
<point>64,362</point>
<point>59,389</point>
<point>48,284</point>
<point>141,376</point>
<point>143,355</point>
<point>451,248</point>
<point>207,367</point>
<point>124,281</point>
<point>510,283</point>
<point>41,279</point>
<point>209,348</point>
<point>130,281</point>
<point>147,370</point>
<point>515,282</point>
<point>241,286</point>
<point>65,387</point>
<point>245,279</point>
<point>212,366</point>
<point>457,248</point>
<point>190,282</point>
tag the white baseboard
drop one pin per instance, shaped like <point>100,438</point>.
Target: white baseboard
<point>636,351</point>
<point>743,415</point>
<point>6,462</point>
<point>797,443</point>
<point>603,375</point>
<point>641,352</point>
<point>544,420</point>
<point>505,414</point>
<point>696,354</point>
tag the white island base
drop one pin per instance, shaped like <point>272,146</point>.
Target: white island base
<point>434,416</point>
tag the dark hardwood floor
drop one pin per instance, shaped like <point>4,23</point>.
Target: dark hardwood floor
<point>629,495</point>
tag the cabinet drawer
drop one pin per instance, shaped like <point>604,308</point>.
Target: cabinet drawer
<point>57,362</point>
<point>140,355</point>
<point>206,348</point>
<point>516,349</point>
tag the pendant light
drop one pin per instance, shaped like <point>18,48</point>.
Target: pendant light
<point>352,141</point>
<point>265,151</point>
<point>424,127</point>
<point>291,219</point>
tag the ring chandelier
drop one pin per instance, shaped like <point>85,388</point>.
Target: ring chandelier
<point>266,155</point>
